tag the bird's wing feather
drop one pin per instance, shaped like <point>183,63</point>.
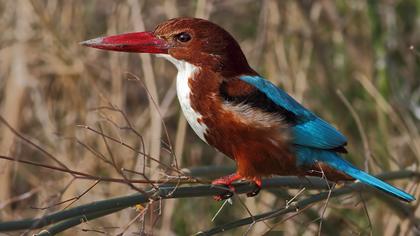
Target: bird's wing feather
<point>309,130</point>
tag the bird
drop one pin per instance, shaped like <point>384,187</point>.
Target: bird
<point>243,115</point>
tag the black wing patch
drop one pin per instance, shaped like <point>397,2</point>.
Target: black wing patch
<point>258,100</point>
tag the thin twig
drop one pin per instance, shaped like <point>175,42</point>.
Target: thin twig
<point>131,148</point>
<point>114,163</point>
<point>360,128</point>
<point>169,144</point>
<point>220,209</point>
<point>32,144</point>
<point>59,195</point>
<point>81,175</point>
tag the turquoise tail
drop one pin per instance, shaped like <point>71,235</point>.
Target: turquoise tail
<point>309,156</point>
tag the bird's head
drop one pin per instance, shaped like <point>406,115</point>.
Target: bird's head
<point>196,41</point>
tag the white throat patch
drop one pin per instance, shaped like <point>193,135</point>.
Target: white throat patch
<point>185,72</point>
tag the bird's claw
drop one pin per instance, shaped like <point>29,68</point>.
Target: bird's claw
<point>254,193</point>
<point>257,190</point>
<point>226,182</point>
<point>226,195</point>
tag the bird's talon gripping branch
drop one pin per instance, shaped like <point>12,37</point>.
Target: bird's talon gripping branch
<point>254,193</point>
<point>257,190</point>
<point>226,181</point>
<point>226,195</point>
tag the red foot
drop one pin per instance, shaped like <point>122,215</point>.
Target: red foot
<point>227,181</point>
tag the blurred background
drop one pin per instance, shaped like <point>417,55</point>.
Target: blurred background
<point>355,63</point>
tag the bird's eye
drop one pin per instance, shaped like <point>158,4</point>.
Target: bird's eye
<point>183,37</point>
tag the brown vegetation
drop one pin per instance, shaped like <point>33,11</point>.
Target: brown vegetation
<point>100,113</point>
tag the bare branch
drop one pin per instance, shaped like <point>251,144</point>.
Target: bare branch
<point>71,217</point>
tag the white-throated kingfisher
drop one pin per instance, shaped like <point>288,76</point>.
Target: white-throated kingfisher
<point>234,109</point>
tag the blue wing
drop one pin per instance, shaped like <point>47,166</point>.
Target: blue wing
<point>310,130</point>
<point>312,135</point>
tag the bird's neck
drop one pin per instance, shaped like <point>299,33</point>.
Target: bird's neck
<point>208,80</point>
<point>186,73</point>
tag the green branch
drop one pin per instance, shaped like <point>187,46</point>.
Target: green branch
<point>163,192</point>
<point>60,227</point>
<point>403,209</point>
<point>77,215</point>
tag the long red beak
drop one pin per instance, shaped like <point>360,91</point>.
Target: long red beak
<point>140,42</point>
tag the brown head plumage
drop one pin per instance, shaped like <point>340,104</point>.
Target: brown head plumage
<point>203,43</point>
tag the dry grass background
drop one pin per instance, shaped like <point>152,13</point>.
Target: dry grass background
<point>49,85</point>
